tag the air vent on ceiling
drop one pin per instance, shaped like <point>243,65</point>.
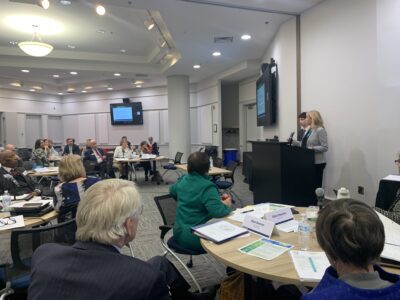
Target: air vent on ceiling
<point>141,75</point>
<point>223,39</point>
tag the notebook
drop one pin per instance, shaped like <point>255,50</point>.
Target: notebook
<point>219,231</point>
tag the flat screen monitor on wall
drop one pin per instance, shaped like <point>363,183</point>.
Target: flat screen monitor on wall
<point>126,113</point>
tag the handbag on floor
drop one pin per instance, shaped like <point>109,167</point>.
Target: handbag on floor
<point>232,287</point>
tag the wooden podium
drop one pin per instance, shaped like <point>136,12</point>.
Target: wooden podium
<point>283,174</point>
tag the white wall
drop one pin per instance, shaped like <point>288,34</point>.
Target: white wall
<point>340,79</point>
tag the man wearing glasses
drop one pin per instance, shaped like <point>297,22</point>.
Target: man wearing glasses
<point>93,268</point>
<point>15,179</point>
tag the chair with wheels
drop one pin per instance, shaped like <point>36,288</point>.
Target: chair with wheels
<point>171,165</point>
<point>23,243</point>
<point>167,207</point>
<point>225,186</point>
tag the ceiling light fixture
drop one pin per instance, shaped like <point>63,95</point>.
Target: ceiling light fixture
<point>25,71</point>
<point>245,37</point>
<point>88,87</point>
<point>100,10</point>
<point>71,46</point>
<point>37,49</point>
<point>56,75</point>
<point>110,88</point>
<point>138,85</point>
<point>60,94</point>
<point>149,24</point>
<point>138,82</point>
<point>216,53</point>
<point>32,90</point>
<point>162,42</point>
<point>84,91</point>
<point>196,67</point>
<point>117,74</point>
<point>65,2</point>
<point>13,42</point>
<point>37,87</point>
<point>122,51</point>
<point>44,3</point>
<point>16,83</point>
<point>73,73</point>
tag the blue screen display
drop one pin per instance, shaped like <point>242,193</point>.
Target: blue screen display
<point>260,100</point>
<point>122,114</point>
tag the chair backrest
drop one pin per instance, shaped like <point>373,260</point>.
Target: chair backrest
<point>89,165</point>
<point>24,153</point>
<point>27,165</point>
<point>231,166</point>
<point>25,241</point>
<point>218,162</point>
<point>178,158</point>
<point>167,207</point>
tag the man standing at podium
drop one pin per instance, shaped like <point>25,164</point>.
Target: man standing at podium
<point>303,125</point>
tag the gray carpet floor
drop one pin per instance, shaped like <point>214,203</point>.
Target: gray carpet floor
<point>147,241</point>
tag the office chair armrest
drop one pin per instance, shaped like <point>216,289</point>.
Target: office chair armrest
<point>164,229</point>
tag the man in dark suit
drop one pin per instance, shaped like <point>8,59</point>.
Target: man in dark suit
<point>15,179</point>
<point>93,268</point>
<point>303,126</point>
<point>70,147</point>
<point>97,156</point>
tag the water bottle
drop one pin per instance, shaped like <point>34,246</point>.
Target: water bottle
<point>211,162</point>
<point>304,233</point>
<point>6,201</point>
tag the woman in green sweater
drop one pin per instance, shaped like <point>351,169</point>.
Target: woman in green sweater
<point>198,201</point>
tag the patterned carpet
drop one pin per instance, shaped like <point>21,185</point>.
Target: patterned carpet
<point>147,241</point>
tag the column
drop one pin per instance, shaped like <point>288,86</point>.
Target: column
<point>179,115</point>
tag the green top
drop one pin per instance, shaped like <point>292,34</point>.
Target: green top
<point>198,202</point>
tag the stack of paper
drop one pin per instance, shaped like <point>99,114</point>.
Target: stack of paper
<point>257,211</point>
<point>391,249</point>
<point>12,222</point>
<point>310,266</point>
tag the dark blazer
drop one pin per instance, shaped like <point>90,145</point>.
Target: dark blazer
<point>89,154</point>
<point>75,149</point>
<point>18,184</point>
<point>92,271</point>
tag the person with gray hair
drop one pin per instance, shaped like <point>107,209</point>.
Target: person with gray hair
<point>107,219</point>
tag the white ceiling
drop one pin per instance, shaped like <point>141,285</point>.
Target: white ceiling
<point>188,26</point>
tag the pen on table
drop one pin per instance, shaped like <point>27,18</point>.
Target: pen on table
<point>312,264</point>
<point>245,212</point>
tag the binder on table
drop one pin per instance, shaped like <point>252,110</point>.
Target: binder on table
<point>219,231</point>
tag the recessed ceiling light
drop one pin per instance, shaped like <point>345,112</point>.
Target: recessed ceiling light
<point>56,75</point>
<point>110,88</point>
<point>73,73</point>
<point>149,24</point>
<point>245,37</point>
<point>102,31</point>
<point>138,86</point>
<point>60,94</point>
<point>71,89</point>
<point>196,67</point>
<point>216,53</point>
<point>71,46</point>
<point>122,51</point>
<point>13,42</point>
<point>84,91</point>
<point>100,10</point>
<point>25,71</point>
<point>16,83</point>
<point>45,4</point>
<point>65,2</point>
<point>138,82</point>
<point>88,87</point>
<point>32,90</point>
<point>117,74</point>
<point>37,87</point>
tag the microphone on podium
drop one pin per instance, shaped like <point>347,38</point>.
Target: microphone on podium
<point>320,193</point>
<point>290,139</point>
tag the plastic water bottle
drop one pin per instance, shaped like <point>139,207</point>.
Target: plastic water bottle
<point>304,233</point>
<point>211,162</point>
<point>6,201</point>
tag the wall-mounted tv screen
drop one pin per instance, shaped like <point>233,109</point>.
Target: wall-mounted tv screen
<point>266,96</point>
<point>126,113</point>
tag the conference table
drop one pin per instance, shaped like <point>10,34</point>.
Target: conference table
<point>214,171</point>
<point>280,269</point>
<point>32,221</point>
<point>137,160</point>
<point>44,172</point>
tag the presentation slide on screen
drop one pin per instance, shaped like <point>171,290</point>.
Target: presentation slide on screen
<point>261,100</point>
<point>122,113</point>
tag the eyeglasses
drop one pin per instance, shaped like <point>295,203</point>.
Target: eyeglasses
<point>7,221</point>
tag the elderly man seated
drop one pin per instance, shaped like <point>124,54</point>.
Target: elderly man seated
<point>15,179</point>
<point>93,268</point>
<point>97,155</point>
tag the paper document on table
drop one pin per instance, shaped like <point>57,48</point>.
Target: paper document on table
<point>288,226</point>
<point>392,178</point>
<point>219,232</point>
<point>265,248</point>
<point>391,252</point>
<point>37,200</point>
<point>257,211</point>
<point>24,197</point>
<point>310,266</point>
<point>392,230</point>
<point>121,159</point>
<point>148,156</point>
<point>12,222</point>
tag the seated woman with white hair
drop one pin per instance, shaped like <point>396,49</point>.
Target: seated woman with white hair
<point>352,236</point>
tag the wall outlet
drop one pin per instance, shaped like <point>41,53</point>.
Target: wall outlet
<point>361,190</point>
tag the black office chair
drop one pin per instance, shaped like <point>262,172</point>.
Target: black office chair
<point>23,243</point>
<point>167,207</point>
<point>90,168</point>
<point>225,186</point>
<point>171,165</point>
